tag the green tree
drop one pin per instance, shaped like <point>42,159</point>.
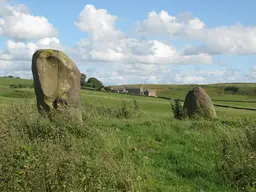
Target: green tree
<point>107,88</point>
<point>233,89</point>
<point>95,83</point>
<point>82,79</point>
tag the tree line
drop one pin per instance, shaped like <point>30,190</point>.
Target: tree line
<point>233,89</point>
<point>92,82</point>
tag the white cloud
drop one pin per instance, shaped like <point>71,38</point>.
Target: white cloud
<point>137,69</point>
<point>3,7</point>
<point>254,72</point>
<point>12,66</point>
<point>166,75</point>
<point>110,45</point>
<point>98,22</point>
<point>107,45</point>
<point>123,75</point>
<point>159,23</point>
<point>128,50</point>
<point>20,8</point>
<point>216,73</point>
<point>7,9</point>
<point>19,24</point>
<point>16,68</point>
<point>115,58</point>
<point>185,79</point>
<point>17,57</point>
<point>19,51</point>
<point>2,22</point>
<point>225,75</point>
<point>138,74</point>
<point>236,39</point>
<point>165,24</point>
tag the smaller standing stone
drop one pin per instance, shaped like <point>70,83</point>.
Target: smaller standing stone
<point>56,82</point>
<point>198,102</point>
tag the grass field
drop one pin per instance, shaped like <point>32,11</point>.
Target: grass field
<point>124,145</point>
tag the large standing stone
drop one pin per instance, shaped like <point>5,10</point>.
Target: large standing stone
<point>198,102</point>
<point>56,82</point>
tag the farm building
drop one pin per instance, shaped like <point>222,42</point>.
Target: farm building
<point>114,90</point>
<point>150,92</point>
<point>135,91</point>
<point>119,90</point>
<point>123,90</point>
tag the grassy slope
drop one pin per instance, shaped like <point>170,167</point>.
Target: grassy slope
<point>113,99</point>
<point>149,152</point>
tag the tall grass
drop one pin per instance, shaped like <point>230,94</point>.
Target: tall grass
<point>61,155</point>
<point>124,149</point>
<point>238,157</point>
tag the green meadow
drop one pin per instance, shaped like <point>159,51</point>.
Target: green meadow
<point>127,143</point>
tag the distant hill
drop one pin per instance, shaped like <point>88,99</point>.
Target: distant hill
<point>6,81</point>
<point>218,91</point>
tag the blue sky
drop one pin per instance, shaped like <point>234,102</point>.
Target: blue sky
<point>63,13</point>
<point>135,41</point>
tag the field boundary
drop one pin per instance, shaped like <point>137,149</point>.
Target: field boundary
<point>233,107</point>
<point>235,101</point>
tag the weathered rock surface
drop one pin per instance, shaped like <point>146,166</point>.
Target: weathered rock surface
<point>56,82</point>
<point>198,102</point>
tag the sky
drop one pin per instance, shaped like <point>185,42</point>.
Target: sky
<point>129,42</point>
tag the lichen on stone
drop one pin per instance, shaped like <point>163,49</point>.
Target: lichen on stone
<point>56,79</point>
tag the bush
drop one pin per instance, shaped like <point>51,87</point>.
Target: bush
<point>136,105</point>
<point>177,110</point>
<point>124,111</point>
<point>15,86</point>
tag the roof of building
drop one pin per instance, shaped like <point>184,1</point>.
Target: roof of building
<point>150,90</point>
<point>133,88</point>
<point>125,87</point>
<point>117,88</point>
